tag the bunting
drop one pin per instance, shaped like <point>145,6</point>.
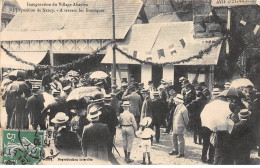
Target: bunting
<point>160,53</point>
<point>198,56</point>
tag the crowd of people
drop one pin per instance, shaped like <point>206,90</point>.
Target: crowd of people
<point>87,126</point>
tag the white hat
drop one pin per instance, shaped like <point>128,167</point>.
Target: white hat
<point>94,112</point>
<point>215,91</point>
<point>126,103</point>
<point>146,121</point>
<point>59,118</point>
<point>178,98</point>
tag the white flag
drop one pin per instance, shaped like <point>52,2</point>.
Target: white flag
<point>256,29</point>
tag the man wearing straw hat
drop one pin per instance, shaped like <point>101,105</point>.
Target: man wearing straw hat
<point>66,140</point>
<point>180,122</point>
<point>109,118</point>
<point>129,127</point>
<point>95,136</point>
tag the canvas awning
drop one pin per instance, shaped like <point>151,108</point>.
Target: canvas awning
<point>168,34</point>
<point>32,57</point>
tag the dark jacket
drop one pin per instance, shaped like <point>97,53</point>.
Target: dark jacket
<point>68,143</point>
<point>34,108</point>
<point>109,118</point>
<point>95,140</point>
<point>158,107</point>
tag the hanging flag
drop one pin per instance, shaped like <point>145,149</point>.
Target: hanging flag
<point>243,22</point>
<point>171,49</point>
<point>135,54</point>
<point>183,43</point>
<point>227,47</point>
<point>256,29</point>
<point>161,53</point>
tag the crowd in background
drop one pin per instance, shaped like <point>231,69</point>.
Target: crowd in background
<point>87,126</point>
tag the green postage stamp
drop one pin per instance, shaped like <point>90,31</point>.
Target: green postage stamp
<point>22,147</point>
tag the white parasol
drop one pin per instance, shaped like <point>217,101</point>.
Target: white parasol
<point>98,75</point>
<point>242,82</point>
<point>215,116</point>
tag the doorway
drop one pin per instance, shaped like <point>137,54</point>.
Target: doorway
<point>157,74</point>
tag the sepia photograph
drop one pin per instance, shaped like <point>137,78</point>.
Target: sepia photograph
<point>130,82</point>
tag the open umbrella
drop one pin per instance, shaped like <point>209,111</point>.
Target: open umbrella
<point>19,86</point>
<point>72,73</point>
<point>242,82</point>
<point>48,99</point>
<point>215,116</point>
<point>232,93</point>
<point>18,74</point>
<point>98,75</point>
<point>82,92</point>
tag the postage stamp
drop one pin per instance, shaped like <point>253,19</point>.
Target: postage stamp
<point>22,147</point>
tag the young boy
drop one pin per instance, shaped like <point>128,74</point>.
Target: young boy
<point>145,134</point>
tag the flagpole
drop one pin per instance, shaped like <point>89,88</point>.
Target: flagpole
<point>113,48</point>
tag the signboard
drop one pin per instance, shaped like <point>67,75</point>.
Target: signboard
<point>221,3</point>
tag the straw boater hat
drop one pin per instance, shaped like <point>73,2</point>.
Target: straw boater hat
<point>144,91</point>
<point>156,93</point>
<point>215,91</point>
<point>126,103</point>
<point>178,98</point>
<point>94,112</point>
<point>107,97</point>
<point>35,88</point>
<point>146,121</point>
<point>124,84</point>
<point>181,79</point>
<point>244,114</point>
<point>67,88</point>
<point>227,84</point>
<point>99,83</point>
<point>59,118</point>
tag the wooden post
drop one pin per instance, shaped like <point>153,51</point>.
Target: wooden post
<point>113,48</point>
<point>51,56</point>
<point>211,77</point>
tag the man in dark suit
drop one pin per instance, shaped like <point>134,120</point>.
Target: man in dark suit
<point>34,107</point>
<point>95,136</point>
<point>157,108</point>
<point>109,118</point>
<point>46,80</point>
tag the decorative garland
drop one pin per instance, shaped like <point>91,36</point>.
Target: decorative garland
<point>198,56</point>
<point>64,66</point>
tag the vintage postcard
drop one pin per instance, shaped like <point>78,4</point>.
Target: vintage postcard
<point>130,82</point>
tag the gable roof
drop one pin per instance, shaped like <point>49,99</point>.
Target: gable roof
<point>168,34</point>
<point>89,25</point>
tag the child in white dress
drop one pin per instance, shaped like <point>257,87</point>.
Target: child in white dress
<point>145,134</point>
